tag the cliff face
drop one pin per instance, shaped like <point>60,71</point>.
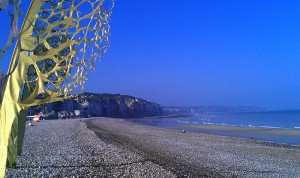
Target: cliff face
<point>105,105</point>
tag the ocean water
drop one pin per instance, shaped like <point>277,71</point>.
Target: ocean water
<point>274,126</point>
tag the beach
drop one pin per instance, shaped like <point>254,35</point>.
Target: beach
<point>105,147</point>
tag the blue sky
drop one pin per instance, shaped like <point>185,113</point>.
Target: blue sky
<point>189,53</point>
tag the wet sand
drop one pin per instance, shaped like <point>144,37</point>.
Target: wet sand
<point>249,129</point>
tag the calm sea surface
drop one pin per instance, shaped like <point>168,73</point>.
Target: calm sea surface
<point>275,126</point>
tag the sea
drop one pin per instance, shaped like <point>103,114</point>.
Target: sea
<point>272,126</point>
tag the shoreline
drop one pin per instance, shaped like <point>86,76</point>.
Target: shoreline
<point>270,135</point>
<point>263,133</point>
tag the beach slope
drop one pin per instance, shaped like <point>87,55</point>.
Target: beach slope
<point>196,154</point>
<point>117,148</point>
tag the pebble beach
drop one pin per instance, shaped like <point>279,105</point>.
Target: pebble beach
<point>105,147</point>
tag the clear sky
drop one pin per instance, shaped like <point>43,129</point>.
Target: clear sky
<point>208,52</point>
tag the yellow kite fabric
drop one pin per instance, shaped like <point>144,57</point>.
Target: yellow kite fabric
<point>60,42</point>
